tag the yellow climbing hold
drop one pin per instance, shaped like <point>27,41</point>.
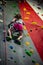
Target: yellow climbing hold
<point>27,43</point>
<point>27,13</point>
<point>24,27</point>
<point>37,64</point>
<point>42,27</point>
<point>31,51</point>
<point>34,23</point>
<point>26,18</point>
<point>27,34</point>
<point>1,20</point>
<point>24,9</point>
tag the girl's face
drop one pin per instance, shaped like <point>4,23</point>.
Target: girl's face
<point>14,19</point>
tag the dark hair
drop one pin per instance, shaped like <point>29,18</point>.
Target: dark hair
<point>18,16</point>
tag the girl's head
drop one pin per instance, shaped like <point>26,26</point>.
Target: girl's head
<point>17,16</point>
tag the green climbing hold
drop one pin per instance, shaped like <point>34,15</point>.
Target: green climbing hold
<point>33,61</point>
<point>15,61</point>
<point>14,51</point>
<point>28,53</point>
<point>14,5</point>
<point>30,47</point>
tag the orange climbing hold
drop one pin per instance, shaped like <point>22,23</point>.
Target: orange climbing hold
<point>27,13</point>
<point>34,23</point>
<point>24,9</point>
<point>26,18</point>
<point>42,27</point>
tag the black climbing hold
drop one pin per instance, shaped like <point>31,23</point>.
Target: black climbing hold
<point>38,7</point>
<point>17,42</point>
<point>8,38</point>
<point>30,30</point>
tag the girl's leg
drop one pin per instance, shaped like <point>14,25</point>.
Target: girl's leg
<point>9,31</point>
<point>21,35</point>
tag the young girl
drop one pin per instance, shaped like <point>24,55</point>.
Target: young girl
<point>18,25</point>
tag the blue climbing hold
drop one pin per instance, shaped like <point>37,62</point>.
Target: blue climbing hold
<point>11,47</point>
<point>4,40</point>
<point>11,57</point>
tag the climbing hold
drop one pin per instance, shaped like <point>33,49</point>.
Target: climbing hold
<point>26,18</point>
<point>11,47</point>
<point>27,13</point>
<point>4,40</point>
<point>14,5</point>
<point>28,34</point>
<point>0,59</point>
<point>24,27</point>
<point>31,51</point>
<point>23,56</point>
<point>11,57</point>
<point>38,7</point>
<point>37,64</point>
<point>24,9</point>
<point>8,38</point>
<point>33,61</point>
<point>27,43</point>
<point>28,52</point>
<point>31,30</point>
<point>30,47</point>
<point>1,21</point>
<point>15,61</point>
<point>41,27</point>
<point>14,51</point>
<point>17,42</point>
<point>34,23</point>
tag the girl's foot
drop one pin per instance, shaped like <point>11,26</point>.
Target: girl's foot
<point>19,38</point>
<point>11,37</point>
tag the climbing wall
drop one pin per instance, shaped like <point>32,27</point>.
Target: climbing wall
<point>23,54</point>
